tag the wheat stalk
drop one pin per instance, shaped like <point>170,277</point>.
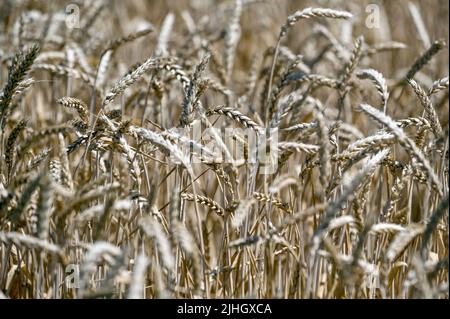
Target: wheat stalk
<point>430,113</point>
<point>409,145</point>
<point>379,82</point>
<point>235,115</point>
<point>421,61</point>
<point>438,85</point>
<point>215,207</point>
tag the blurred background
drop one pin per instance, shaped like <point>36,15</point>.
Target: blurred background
<point>412,25</point>
<point>396,23</point>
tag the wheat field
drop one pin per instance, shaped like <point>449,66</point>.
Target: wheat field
<point>224,149</point>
